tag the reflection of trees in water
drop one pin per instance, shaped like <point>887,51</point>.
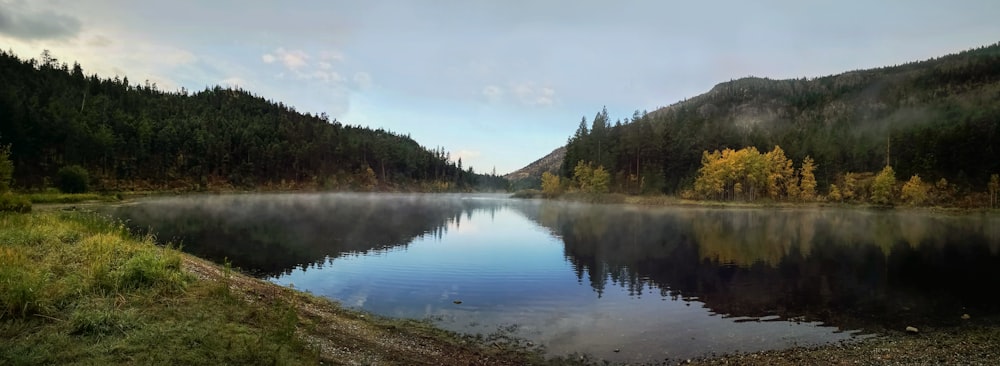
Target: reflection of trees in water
<point>846,267</point>
<point>273,234</point>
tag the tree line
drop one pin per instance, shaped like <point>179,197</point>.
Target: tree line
<point>135,136</point>
<point>937,119</point>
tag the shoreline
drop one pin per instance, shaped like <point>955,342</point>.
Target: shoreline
<point>340,335</point>
<point>674,201</point>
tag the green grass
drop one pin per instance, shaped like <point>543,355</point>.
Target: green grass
<point>76,288</point>
<point>58,197</point>
<point>11,202</point>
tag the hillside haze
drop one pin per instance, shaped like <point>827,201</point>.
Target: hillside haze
<point>938,118</point>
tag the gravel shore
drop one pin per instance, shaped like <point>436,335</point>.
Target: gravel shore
<point>972,343</point>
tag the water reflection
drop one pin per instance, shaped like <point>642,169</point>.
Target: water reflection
<point>593,278</point>
<point>269,235</point>
<point>850,268</point>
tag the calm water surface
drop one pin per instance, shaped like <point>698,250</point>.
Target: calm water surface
<point>654,283</point>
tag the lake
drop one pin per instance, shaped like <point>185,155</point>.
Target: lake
<point>622,283</point>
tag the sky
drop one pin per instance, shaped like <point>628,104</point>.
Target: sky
<point>498,83</point>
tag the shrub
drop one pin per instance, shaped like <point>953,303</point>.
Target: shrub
<point>14,203</point>
<point>882,188</point>
<point>72,179</point>
<point>915,191</point>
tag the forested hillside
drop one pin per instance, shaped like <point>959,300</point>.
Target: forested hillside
<point>938,118</point>
<point>134,136</point>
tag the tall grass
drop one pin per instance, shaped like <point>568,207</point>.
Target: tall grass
<point>80,288</point>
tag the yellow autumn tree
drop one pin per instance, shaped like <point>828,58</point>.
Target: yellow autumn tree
<point>883,186</point>
<point>780,173</point>
<point>591,179</point>
<point>746,174</point>
<point>914,191</point>
<point>834,194</point>
<point>850,185</point>
<point>551,185</point>
<point>600,180</point>
<point>582,174</point>
<point>808,183</point>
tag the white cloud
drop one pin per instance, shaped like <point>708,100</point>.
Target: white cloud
<point>298,66</point>
<point>362,80</point>
<point>545,96</point>
<point>292,59</point>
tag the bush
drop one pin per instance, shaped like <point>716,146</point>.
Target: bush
<point>915,191</point>
<point>72,179</point>
<point>882,188</point>
<point>14,203</point>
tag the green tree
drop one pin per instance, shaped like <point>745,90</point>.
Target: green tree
<point>914,191</point>
<point>882,188</point>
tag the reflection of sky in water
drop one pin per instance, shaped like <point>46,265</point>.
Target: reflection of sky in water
<point>507,270</point>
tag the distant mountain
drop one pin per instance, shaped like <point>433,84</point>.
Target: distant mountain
<point>531,175</point>
<point>938,118</point>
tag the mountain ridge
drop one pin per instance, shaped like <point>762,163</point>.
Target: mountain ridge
<point>938,117</point>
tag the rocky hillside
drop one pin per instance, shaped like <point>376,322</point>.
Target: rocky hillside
<point>531,175</point>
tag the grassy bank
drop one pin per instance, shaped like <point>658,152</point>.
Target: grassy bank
<point>76,288</point>
<point>59,197</point>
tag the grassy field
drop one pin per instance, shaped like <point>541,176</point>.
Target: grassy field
<point>77,288</point>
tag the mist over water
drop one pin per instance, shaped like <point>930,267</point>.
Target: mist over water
<point>654,283</point>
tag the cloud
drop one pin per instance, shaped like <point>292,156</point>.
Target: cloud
<point>297,63</point>
<point>530,94</point>
<point>21,23</point>
<point>362,80</point>
<point>292,59</point>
